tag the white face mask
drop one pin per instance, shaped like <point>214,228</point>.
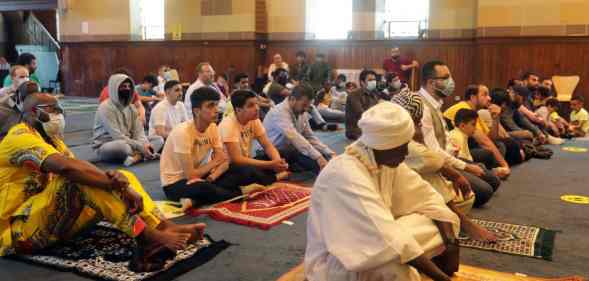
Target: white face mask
<point>371,85</point>
<point>396,85</point>
<point>18,82</point>
<point>55,126</point>
<point>341,84</point>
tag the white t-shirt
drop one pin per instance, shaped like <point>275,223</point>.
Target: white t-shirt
<point>185,139</point>
<point>167,115</point>
<point>233,131</point>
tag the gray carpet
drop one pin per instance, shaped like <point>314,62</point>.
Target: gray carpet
<point>530,196</point>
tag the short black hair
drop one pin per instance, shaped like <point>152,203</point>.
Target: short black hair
<point>553,103</point>
<point>278,71</point>
<point>240,97</point>
<point>25,59</point>
<point>239,76</point>
<point>428,70</point>
<point>578,98</point>
<point>364,74</point>
<point>499,96</point>
<point>528,74</point>
<point>464,116</point>
<point>341,77</point>
<point>544,92</point>
<point>302,91</point>
<point>203,94</point>
<point>471,90</point>
<point>170,84</point>
<point>151,79</point>
<point>301,54</point>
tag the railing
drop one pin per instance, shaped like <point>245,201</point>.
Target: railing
<point>405,28</point>
<point>37,34</point>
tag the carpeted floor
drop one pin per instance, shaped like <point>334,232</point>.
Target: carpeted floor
<point>530,196</point>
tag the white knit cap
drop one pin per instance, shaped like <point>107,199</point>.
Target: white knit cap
<point>386,126</point>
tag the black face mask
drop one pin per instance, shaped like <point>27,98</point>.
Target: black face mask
<point>125,96</point>
<point>282,80</point>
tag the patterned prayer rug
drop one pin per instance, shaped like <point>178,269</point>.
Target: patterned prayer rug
<point>263,209</point>
<point>170,209</point>
<point>103,253</point>
<point>515,239</point>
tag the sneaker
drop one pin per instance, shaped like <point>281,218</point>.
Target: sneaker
<point>131,160</point>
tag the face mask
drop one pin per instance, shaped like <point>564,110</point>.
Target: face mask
<point>55,126</point>
<point>448,88</point>
<point>20,81</point>
<point>289,86</point>
<point>124,96</point>
<point>341,85</point>
<point>371,85</point>
<point>396,85</point>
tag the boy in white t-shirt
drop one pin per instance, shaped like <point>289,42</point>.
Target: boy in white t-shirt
<point>168,113</point>
<point>187,172</point>
<point>238,132</point>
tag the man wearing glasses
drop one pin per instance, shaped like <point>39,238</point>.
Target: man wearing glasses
<point>168,113</point>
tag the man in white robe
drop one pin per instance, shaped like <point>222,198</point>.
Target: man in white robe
<point>372,217</point>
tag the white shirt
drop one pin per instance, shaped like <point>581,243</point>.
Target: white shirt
<point>167,115</point>
<point>195,86</point>
<point>429,134</point>
<point>351,231</point>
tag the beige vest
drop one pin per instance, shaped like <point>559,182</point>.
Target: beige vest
<point>439,124</point>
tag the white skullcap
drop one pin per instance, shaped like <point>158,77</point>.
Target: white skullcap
<point>386,126</point>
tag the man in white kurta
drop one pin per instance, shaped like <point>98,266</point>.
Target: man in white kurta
<point>369,221</point>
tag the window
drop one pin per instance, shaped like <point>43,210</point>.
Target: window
<point>406,18</point>
<point>151,16</point>
<point>329,19</point>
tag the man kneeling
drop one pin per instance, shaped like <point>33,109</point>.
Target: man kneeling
<point>188,173</point>
<point>372,217</point>
<point>54,196</point>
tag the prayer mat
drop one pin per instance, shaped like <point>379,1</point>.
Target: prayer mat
<point>465,273</point>
<point>170,209</point>
<point>103,253</point>
<point>574,149</point>
<point>264,209</point>
<point>522,240</point>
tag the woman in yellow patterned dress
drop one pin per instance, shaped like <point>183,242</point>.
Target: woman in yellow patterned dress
<point>46,195</point>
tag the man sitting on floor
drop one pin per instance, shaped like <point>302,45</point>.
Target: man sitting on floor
<point>477,97</point>
<point>288,129</point>
<point>118,133</point>
<point>136,101</point>
<point>187,172</point>
<point>359,101</point>
<point>168,113</point>
<point>430,166</point>
<point>372,217</point>
<point>55,196</point>
<point>239,130</point>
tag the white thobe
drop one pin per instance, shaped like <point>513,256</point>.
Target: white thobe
<point>351,233</point>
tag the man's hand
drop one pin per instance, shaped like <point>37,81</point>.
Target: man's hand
<point>279,165</point>
<point>495,111</point>
<point>118,180</point>
<point>133,200</point>
<point>475,170</point>
<point>148,151</point>
<point>461,184</point>
<point>321,162</point>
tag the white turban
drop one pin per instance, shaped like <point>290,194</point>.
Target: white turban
<point>386,126</point>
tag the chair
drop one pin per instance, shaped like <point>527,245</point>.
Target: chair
<point>565,86</point>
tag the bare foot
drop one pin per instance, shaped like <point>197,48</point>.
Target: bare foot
<point>479,233</point>
<point>282,176</point>
<point>174,241</point>
<point>196,230</point>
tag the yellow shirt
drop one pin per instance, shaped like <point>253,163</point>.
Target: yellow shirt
<point>22,153</point>
<point>582,117</point>
<point>554,116</point>
<point>450,113</point>
<point>460,140</point>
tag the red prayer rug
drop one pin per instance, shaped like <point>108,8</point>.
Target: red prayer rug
<point>263,209</point>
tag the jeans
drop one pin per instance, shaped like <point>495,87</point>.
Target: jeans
<point>332,115</point>
<point>118,150</point>
<point>484,186</point>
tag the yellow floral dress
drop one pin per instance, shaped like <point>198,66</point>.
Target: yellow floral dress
<point>38,209</point>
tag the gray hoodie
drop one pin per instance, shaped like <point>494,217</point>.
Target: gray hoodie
<point>117,121</point>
